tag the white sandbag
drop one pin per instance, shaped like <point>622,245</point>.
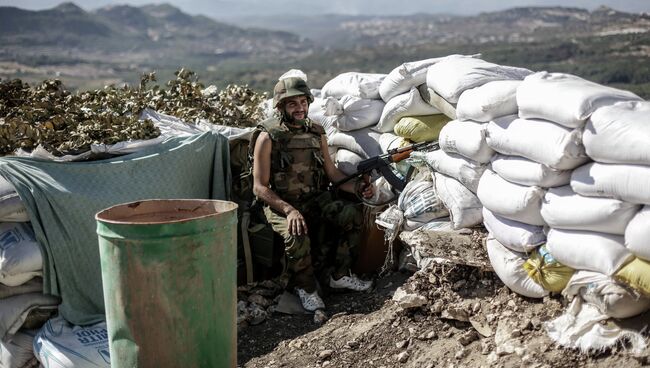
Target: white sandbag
<point>585,328</point>
<point>630,183</point>
<point>465,210</point>
<point>419,197</point>
<point>466,138</point>
<point>442,224</point>
<point>20,279</point>
<point>562,208</point>
<point>588,250</point>
<point>508,265</point>
<point>383,192</point>
<point>521,170</point>
<point>363,85</point>
<point>354,113</point>
<point>18,351</point>
<point>637,234</point>
<point>489,101</point>
<point>609,296</point>
<point>59,344</point>
<point>539,140</point>
<point>317,114</point>
<point>34,285</point>
<point>406,104</point>
<point>19,251</point>
<point>451,77</point>
<point>432,98</point>
<point>347,161</point>
<point>513,201</point>
<point>414,223</point>
<point>364,142</point>
<point>388,141</point>
<point>515,235</point>
<point>619,133</point>
<point>12,208</point>
<point>15,310</point>
<point>564,98</point>
<point>408,75</point>
<point>466,171</point>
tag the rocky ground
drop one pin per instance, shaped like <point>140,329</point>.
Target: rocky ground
<point>447,315</point>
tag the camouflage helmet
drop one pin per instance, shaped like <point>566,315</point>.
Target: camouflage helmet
<point>290,87</point>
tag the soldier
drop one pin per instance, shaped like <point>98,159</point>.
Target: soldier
<point>292,170</point>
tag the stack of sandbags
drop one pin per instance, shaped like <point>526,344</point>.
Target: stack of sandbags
<point>538,152</point>
<point>408,75</point>
<point>480,91</point>
<point>20,254</point>
<point>616,137</point>
<point>407,113</point>
<point>23,306</point>
<point>458,166</point>
<point>454,75</point>
<point>350,107</point>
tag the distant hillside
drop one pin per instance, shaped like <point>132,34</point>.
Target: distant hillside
<point>514,25</point>
<point>162,30</point>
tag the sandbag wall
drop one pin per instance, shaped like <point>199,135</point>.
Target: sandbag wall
<point>557,168</point>
<point>367,114</point>
<point>23,306</point>
<point>348,106</point>
<point>541,183</point>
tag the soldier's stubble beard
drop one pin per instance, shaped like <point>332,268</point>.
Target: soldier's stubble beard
<point>290,120</point>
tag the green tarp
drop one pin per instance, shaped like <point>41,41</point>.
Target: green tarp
<point>63,198</point>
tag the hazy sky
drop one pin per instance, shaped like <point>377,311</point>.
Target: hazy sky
<point>229,8</point>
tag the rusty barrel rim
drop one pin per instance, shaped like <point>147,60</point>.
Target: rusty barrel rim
<point>164,218</point>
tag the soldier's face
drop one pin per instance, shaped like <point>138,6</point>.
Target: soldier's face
<point>296,108</point>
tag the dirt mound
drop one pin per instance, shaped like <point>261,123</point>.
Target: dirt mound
<point>465,317</point>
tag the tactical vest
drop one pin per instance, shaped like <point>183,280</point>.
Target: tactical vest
<point>297,164</point>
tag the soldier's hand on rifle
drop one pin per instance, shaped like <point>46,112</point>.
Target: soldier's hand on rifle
<point>365,188</point>
<point>368,191</point>
<point>297,224</point>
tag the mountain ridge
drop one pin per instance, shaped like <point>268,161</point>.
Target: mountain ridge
<point>162,28</point>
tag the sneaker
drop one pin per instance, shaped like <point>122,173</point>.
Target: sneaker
<point>351,282</point>
<point>310,302</point>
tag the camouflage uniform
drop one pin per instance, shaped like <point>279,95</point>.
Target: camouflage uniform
<point>298,177</point>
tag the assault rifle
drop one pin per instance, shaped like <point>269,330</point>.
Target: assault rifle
<point>381,165</point>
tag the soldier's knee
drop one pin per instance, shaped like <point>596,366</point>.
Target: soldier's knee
<point>297,246</point>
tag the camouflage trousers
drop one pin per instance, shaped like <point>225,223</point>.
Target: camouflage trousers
<point>334,233</point>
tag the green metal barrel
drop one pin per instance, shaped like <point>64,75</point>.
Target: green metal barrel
<point>169,276</point>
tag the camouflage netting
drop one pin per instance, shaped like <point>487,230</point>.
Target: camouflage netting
<point>64,123</point>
